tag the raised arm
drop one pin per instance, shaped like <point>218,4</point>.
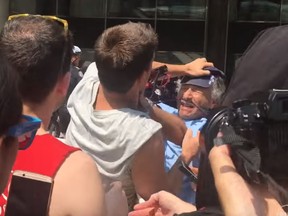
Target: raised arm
<point>236,196</point>
<point>173,127</point>
<point>148,171</point>
<point>193,68</point>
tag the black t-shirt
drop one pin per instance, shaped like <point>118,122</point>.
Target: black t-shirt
<point>263,66</point>
<point>75,79</point>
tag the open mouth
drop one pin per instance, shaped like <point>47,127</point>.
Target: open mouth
<point>186,103</point>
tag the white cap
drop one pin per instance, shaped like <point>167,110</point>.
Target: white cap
<point>76,50</point>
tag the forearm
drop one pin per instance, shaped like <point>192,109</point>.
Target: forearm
<point>173,129</point>
<point>173,70</point>
<point>234,193</point>
<point>193,68</point>
<point>236,196</point>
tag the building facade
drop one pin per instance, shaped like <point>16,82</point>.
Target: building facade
<point>220,30</point>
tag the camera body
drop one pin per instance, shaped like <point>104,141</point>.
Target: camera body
<point>257,132</point>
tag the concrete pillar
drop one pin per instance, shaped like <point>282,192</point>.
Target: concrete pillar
<point>4,12</point>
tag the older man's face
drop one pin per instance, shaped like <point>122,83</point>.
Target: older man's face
<point>197,95</point>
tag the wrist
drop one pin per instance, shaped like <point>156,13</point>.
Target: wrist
<point>184,207</point>
<point>185,159</point>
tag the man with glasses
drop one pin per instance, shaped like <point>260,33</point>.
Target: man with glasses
<point>39,48</point>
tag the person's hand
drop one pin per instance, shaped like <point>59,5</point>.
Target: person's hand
<point>162,204</point>
<point>195,68</point>
<point>143,103</point>
<point>190,146</point>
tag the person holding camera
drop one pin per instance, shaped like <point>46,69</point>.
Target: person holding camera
<point>240,194</point>
<point>266,87</point>
<point>237,197</point>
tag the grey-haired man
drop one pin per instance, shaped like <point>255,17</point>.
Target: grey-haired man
<point>195,97</point>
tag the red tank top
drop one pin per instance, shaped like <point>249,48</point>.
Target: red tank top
<point>45,156</point>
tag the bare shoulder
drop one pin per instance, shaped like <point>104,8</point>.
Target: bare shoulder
<point>78,188</point>
<point>80,158</point>
<point>153,145</point>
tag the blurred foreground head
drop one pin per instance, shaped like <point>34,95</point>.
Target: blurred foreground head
<point>40,49</point>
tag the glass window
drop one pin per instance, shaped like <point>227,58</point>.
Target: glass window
<point>182,35</point>
<point>85,30</point>
<point>176,57</point>
<point>259,10</point>
<point>182,9</point>
<point>247,19</point>
<point>284,12</point>
<point>112,21</point>
<point>44,7</point>
<point>83,8</point>
<point>131,8</point>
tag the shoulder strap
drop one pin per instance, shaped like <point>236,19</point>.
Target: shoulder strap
<point>245,153</point>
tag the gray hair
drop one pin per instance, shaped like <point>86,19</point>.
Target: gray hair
<point>218,89</point>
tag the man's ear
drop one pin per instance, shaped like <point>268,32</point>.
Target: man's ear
<point>63,84</point>
<point>1,140</point>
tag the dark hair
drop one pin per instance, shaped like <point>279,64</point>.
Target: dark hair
<point>122,53</point>
<point>40,51</point>
<point>10,100</point>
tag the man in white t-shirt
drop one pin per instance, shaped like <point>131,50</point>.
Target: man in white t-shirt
<point>110,118</point>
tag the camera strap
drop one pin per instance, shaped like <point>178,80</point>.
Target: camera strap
<point>247,161</point>
<point>245,154</point>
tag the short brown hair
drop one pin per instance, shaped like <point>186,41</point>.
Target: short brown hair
<point>122,53</point>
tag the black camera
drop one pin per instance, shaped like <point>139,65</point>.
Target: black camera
<point>257,132</point>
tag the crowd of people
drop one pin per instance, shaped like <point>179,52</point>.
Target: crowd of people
<point>121,154</point>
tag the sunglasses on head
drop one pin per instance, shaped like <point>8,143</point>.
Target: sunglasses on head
<point>25,131</point>
<point>63,22</point>
<point>57,19</point>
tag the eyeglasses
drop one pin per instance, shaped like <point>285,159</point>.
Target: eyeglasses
<point>25,131</point>
<point>57,19</point>
<point>61,21</point>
